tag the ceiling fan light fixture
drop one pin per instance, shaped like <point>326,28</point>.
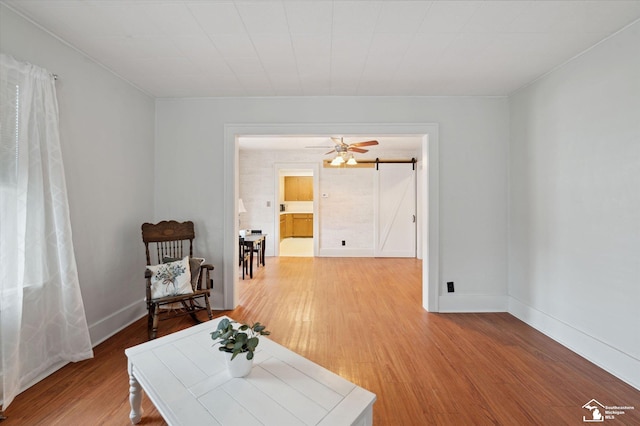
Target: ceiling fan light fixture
<point>337,161</point>
<point>344,151</point>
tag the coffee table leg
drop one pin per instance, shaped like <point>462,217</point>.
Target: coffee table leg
<point>135,398</point>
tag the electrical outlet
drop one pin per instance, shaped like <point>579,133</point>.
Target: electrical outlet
<point>344,243</point>
<point>450,287</point>
<point>268,203</point>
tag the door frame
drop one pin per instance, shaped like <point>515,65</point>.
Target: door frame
<point>315,169</point>
<point>428,208</point>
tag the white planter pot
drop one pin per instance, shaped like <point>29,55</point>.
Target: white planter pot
<point>240,366</point>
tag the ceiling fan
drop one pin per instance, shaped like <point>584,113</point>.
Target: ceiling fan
<point>342,149</point>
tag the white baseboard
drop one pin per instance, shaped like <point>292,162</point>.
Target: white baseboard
<point>110,325</point>
<point>616,362</point>
<point>345,252</point>
<point>472,303</point>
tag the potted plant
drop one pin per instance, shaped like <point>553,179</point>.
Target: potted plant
<point>236,340</point>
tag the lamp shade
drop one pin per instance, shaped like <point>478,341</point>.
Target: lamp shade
<point>241,208</point>
<point>337,161</point>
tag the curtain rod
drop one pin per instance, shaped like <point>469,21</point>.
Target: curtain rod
<point>379,161</point>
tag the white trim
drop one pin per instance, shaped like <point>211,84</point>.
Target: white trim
<point>472,303</point>
<point>616,362</point>
<point>430,216</point>
<point>431,261</point>
<point>230,234</point>
<point>345,252</point>
<point>106,327</point>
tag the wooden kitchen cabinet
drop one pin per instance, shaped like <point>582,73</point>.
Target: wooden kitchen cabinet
<point>298,188</point>
<point>288,226</point>
<point>302,225</point>
<point>282,226</point>
<point>305,188</point>
<point>296,225</point>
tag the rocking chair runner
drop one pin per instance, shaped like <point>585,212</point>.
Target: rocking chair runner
<point>169,239</point>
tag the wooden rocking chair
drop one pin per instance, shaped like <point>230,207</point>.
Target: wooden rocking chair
<point>169,239</point>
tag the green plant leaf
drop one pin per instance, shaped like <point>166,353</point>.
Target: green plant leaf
<point>227,334</point>
<point>252,343</point>
<point>236,340</point>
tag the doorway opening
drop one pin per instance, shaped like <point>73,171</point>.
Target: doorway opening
<point>427,187</point>
<point>296,193</point>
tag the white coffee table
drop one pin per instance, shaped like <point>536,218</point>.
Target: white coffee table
<point>185,377</point>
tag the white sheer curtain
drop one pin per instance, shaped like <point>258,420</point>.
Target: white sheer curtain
<point>42,319</point>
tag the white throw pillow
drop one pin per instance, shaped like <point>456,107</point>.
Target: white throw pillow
<point>195,264</point>
<point>171,279</point>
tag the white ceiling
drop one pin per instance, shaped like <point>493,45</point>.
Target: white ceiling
<point>199,48</point>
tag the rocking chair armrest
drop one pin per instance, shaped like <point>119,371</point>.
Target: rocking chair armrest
<point>147,275</point>
<point>204,279</point>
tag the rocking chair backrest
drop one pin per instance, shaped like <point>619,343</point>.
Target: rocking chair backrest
<point>169,237</point>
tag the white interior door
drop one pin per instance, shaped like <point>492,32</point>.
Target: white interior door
<point>395,231</point>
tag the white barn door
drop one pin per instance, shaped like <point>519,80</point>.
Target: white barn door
<point>395,210</point>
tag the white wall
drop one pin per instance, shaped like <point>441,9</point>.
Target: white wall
<point>106,129</point>
<point>190,135</point>
<point>574,246</point>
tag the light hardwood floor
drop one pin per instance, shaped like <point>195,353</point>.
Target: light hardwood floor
<point>296,247</point>
<point>362,319</point>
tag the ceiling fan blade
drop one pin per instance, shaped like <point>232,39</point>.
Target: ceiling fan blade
<point>360,150</point>
<point>366,143</point>
<point>333,150</point>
